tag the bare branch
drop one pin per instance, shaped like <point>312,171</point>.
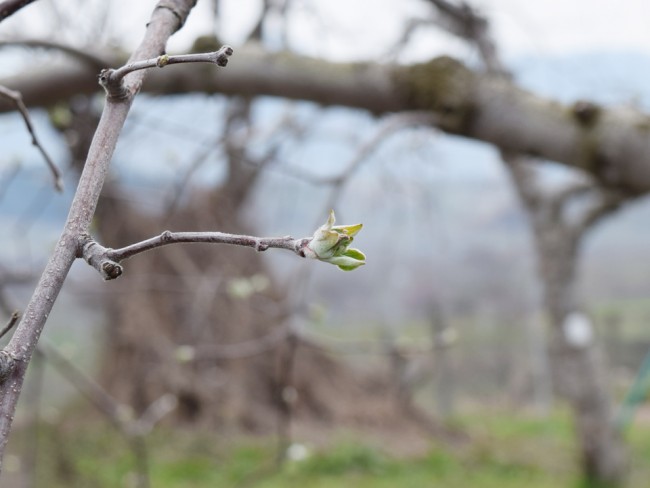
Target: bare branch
<point>464,21</point>
<point>154,414</point>
<point>410,28</point>
<point>17,99</point>
<point>479,107</point>
<point>12,321</point>
<point>93,60</point>
<point>390,126</point>
<point>106,260</point>
<point>111,79</point>
<point>610,201</point>
<point>10,7</point>
<point>167,18</point>
<point>121,416</point>
<point>101,399</point>
<point>558,202</point>
<point>239,350</point>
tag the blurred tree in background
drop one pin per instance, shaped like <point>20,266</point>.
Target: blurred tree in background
<point>263,146</point>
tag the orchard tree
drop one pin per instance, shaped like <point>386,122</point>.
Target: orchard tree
<point>609,145</point>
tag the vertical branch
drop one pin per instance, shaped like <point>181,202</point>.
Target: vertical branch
<point>33,402</point>
<point>167,18</point>
<point>286,396</point>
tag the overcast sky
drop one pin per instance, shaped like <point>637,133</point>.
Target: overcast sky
<point>354,29</point>
<point>522,28</point>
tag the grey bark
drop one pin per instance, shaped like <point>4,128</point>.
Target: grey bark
<point>577,367</point>
<point>610,143</point>
<point>167,18</point>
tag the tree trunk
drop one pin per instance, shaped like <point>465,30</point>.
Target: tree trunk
<point>576,363</point>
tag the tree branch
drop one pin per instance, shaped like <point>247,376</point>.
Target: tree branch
<point>106,260</point>
<point>119,415</point>
<point>111,79</point>
<point>610,201</point>
<point>17,99</point>
<point>167,18</point>
<point>93,61</point>
<point>469,103</point>
<point>12,321</point>
<point>239,350</point>
<point>10,7</point>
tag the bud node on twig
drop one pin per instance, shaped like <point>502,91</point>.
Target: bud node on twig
<point>113,85</point>
<point>111,270</point>
<point>162,61</point>
<point>7,365</point>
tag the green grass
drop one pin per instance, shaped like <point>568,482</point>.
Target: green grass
<point>505,451</point>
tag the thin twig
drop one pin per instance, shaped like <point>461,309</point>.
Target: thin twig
<point>94,393</point>
<point>239,350</point>
<point>94,61</point>
<point>15,357</point>
<point>389,126</point>
<point>13,320</point>
<point>106,260</point>
<point>120,415</point>
<point>17,99</point>
<point>7,178</point>
<point>464,21</point>
<point>111,79</point>
<point>610,201</point>
<point>10,7</point>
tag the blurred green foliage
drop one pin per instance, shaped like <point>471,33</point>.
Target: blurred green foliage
<point>504,451</point>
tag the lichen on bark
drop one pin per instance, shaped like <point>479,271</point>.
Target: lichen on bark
<point>442,85</point>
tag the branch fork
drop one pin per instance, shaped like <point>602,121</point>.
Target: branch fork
<point>112,80</point>
<point>107,261</point>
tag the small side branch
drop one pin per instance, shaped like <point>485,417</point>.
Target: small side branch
<point>10,7</point>
<point>121,416</point>
<point>107,261</point>
<point>17,100</point>
<point>13,320</point>
<point>112,79</point>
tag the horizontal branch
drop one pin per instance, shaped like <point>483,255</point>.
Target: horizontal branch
<point>112,79</point>
<point>106,260</point>
<point>609,143</point>
<point>95,62</point>
<point>240,350</point>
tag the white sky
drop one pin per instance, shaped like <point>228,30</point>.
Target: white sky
<point>364,29</point>
<point>361,28</point>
